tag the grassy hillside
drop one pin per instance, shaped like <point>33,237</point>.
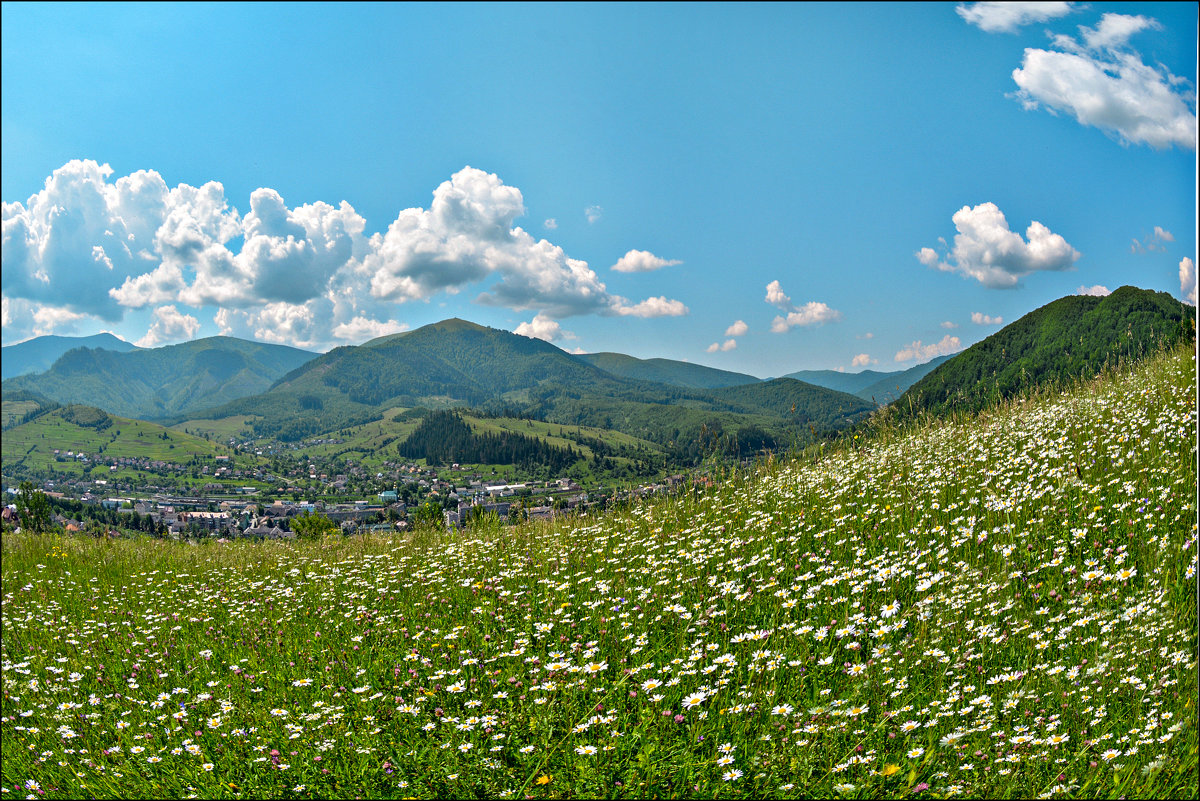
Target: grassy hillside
<point>19,405</point>
<point>666,371</point>
<point>40,353</point>
<point>160,382</point>
<point>999,607</point>
<point>30,448</point>
<point>1067,339</point>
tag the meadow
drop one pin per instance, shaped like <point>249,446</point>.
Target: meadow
<point>1000,605</point>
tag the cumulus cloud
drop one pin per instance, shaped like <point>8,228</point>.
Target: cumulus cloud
<point>642,261</point>
<point>979,318</point>
<point>776,297</point>
<point>1104,84</point>
<point>919,350</point>
<point>1154,241</point>
<point>1097,290</point>
<point>727,345</point>
<point>863,360</point>
<point>737,329</point>
<point>1008,17</point>
<point>949,324</point>
<point>542,327</point>
<point>309,275</point>
<point>652,307</point>
<point>988,251</point>
<point>593,213</point>
<point>170,325</point>
<point>1187,280</point>
<point>811,313</point>
<point>550,224</point>
<point>361,329</point>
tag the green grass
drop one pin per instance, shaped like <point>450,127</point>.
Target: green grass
<point>220,430</point>
<point>30,447</point>
<point>997,606</point>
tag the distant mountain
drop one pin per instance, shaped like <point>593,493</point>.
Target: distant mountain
<point>154,383</point>
<point>1071,338</point>
<point>38,354</point>
<point>842,382</point>
<point>667,371</point>
<point>458,363</point>
<point>892,385</point>
<point>870,385</point>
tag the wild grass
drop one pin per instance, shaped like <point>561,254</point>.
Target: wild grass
<point>999,606</point>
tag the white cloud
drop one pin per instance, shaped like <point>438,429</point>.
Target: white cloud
<point>1154,241</point>
<point>738,329</point>
<point>550,224</point>
<point>642,261</point>
<point>1104,85</point>
<point>988,251</point>
<point>170,325</point>
<point>1008,17</point>
<point>776,297</point>
<point>863,360</point>
<point>51,319</point>
<point>812,313</point>
<point>918,350</point>
<point>728,345</point>
<point>1098,290</point>
<point>652,307</point>
<point>1187,280</point>
<point>542,327</point>
<point>868,335</point>
<point>310,275</point>
<point>948,324</point>
<point>361,329</point>
<point>593,213</point>
<point>979,318</point>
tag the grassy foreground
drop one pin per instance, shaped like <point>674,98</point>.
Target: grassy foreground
<point>1002,606</point>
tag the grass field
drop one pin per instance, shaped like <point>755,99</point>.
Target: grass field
<point>1000,606</point>
<point>32,445</point>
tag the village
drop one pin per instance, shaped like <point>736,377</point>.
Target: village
<point>352,501</point>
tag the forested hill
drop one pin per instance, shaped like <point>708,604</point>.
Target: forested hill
<point>1072,337</point>
<point>666,371</point>
<point>157,382</point>
<point>40,353</point>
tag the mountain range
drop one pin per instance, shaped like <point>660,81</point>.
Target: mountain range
<point>154,383</point>
<point>40,353</point>
<point>684,408</point>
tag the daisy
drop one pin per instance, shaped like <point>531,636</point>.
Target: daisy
<point>732,775</point>
<point>586,750</point>
<point>694,700</point>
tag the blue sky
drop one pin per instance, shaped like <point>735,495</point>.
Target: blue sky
<point>757,188</point>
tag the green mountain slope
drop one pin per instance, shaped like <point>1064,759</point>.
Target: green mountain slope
<point>666,371</point>
<point>1073,337</point>
<point>870,385</point>
<point>40,447</point>
<point>457,363</point>
<point>158,382</point>
<point>892,385</point>
<point>40,353</point>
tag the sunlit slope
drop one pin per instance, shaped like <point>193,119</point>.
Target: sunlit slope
<point>1002,606</point>
<point>1065,340</point>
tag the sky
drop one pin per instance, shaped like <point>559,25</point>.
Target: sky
<point>759,188</point>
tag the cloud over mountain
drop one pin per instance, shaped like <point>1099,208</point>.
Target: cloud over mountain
<point>309,275</point>
<point>988,251</point>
